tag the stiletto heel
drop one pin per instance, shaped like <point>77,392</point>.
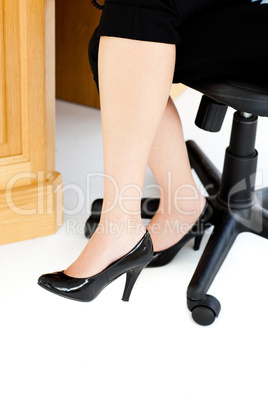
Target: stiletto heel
<point>197,242</point>
<point>163,257</point>
<point>87,289</point>
<point>131,278</point>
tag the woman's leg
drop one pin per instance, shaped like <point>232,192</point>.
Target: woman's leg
<point>135,78</point>
<point>180,200</point>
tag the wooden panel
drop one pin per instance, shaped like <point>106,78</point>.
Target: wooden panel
<point>10,102</point>
<point>15,167</point>
<point>41,83</point>
<point>27,97</point>
<point>2,80</point>
<point>75,23</point>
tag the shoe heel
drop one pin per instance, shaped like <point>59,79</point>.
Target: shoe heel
<point>197,241</point>
<point>131,278</point>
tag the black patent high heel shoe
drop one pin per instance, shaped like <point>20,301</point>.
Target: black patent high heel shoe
<point>163,257</point>
<point>87,289</point>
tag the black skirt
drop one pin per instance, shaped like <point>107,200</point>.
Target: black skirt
<point>213,38</point>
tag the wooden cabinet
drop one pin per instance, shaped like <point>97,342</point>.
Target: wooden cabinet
<point>75,24</point>
<point>30,189</point>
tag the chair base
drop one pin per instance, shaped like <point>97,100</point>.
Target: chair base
<point>228,220</point>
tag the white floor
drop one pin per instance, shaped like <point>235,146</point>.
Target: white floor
<point>54,349</point>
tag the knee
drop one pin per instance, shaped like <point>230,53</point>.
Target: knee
<point>93,50</point>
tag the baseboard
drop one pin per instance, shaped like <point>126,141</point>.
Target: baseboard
<point>31,211</point>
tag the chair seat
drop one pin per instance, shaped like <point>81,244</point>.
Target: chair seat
<point>245,97</point>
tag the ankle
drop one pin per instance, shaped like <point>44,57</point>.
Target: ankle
<point>187,210</point>
<point>121,227</point>
<point>168,227</point>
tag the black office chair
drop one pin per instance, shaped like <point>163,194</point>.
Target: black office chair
<point>236,206</point>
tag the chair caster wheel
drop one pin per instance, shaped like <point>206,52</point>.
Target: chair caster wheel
<point>203,315</point>
<point>204,312</point>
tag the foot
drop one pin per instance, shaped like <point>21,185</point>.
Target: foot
<point>167,229</point>
<point>109,242</point>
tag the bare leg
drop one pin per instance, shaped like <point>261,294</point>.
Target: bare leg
<point>180,202</point>
<point>132,75</point>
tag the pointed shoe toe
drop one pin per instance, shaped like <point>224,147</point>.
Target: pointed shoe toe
<point>54,282</point>
<point>64,285</point>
